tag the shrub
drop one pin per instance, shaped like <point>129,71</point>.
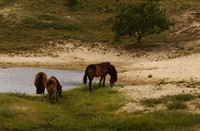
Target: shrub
<point>151,102</point>
<point>72,3</point>
<point>176,105</point>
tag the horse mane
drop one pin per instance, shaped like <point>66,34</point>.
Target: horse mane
<point>107,63</point>
<point>58,83</point>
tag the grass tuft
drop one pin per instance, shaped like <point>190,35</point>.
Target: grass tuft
<point>7,112</point>
<point>176,105</point>
<point>151,102</point>
<point>183,97</point>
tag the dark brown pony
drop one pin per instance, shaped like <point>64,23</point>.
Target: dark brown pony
<point>59,87</point>
<point>101,69</point>
<point>40,80</point>
<point>51,85</point>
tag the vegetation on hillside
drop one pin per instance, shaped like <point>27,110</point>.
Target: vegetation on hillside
<point>25,25</point>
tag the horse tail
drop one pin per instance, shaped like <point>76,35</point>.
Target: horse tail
<point>85,76</point>
<point>39,87</point>
<point>40,80</point>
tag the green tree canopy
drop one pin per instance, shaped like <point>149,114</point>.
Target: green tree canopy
<point>140,19</point>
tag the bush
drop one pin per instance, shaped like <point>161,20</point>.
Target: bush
<point>72,3</point>
<point>151,102</point>
<point>176,105</point>
<point>183,97</point>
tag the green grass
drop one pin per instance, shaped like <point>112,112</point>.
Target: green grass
<point>176,105</point>
<point>151,102</point>
<point>76,110</point>
<point>171,101</point>
<point>182,97</point>
<point>80,109</point>
<point>6,112</point>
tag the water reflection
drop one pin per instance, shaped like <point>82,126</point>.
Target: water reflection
<point>21,80</point>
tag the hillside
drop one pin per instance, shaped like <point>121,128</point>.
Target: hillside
<point>26,25</point>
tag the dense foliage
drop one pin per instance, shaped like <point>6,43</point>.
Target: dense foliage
<point>140,19</point>
<point>25,25</point>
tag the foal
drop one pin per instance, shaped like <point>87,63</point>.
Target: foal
<point>59,87</point>
<point>51,85</point>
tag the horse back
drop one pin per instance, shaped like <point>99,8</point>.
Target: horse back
<point>102,69</point>
<point>97,70</point>
<point>51,85</point>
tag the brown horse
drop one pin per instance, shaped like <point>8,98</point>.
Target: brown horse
<point>101,69</point>
<point>40,80</point>
<point>59,87</point>
<point>51,85</point>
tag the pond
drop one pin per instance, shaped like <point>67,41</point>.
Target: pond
<point>21,80</point>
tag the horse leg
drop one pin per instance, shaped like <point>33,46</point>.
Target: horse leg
<point>56,97</point>
<point>104,78</point>
<point>50,97</point>
<point>100,81</point>
<point>90,83</point>
<point>43,91</point>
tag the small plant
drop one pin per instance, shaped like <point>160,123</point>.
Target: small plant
<point>161,82</point>
<point>182,97</point>
<point>151,102</point>
<point>7,112</point>
<point>176,105</point>
<point>150,76</point>
<point>72,3</point>
<point>123,71</point>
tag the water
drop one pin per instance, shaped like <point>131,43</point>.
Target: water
<point>21,80</point>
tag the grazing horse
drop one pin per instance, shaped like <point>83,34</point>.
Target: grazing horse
<point>59,87</point>
<point>40,80</point>
<point>51,85</point>
<point>101,69</point>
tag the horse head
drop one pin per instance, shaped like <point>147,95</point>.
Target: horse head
<point>59,90</point>
<point>113,75</point>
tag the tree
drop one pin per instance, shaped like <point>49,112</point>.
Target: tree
<point>140,19</point>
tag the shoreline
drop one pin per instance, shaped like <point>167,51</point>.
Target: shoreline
<point>138,77</point>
